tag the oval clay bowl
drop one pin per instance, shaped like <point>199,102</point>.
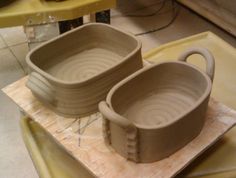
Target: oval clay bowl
<point>72,73</point>
<point>158,109</point>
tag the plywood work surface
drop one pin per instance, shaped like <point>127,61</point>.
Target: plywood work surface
<point>82,138</point>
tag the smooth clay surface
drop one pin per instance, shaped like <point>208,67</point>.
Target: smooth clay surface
<point>159,109</point>
<point>72,73</point>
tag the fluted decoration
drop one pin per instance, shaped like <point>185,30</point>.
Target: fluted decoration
<point>106,131</point>
<point>132,144</point>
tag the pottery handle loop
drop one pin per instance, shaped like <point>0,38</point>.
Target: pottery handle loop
<point>40,87</point>
<point>210,66</point>
<point>114,117</point>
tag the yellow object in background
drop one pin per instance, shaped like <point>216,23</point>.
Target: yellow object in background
<point>28,12</point>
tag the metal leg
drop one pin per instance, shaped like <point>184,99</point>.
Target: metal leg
<point>39,33</point>
<point>103,16</point>
<point>22,113</point>
<point>67,25</point>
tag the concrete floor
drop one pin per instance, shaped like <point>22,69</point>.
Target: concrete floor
<point>14,159</point>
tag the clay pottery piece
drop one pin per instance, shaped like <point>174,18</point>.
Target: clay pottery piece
<point>159,109</point>
<point>72,73</point>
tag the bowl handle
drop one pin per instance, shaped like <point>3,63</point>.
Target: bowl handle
<point>210,66</point>
<point>41,87</point>
<point>114,117</point>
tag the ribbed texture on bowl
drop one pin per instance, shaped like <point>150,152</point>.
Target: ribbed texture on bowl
<point>163,105</point>
<point>85,65</point>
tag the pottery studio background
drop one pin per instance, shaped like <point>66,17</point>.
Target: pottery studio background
<point>149,29</point>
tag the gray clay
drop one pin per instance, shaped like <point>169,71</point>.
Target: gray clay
<point>158,109</point>
<point>72,73</point>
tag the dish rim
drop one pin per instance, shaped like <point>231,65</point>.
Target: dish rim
<point>93,78</point>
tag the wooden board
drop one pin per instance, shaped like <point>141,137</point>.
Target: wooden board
<point>222,13</point>
<point>82,138</point>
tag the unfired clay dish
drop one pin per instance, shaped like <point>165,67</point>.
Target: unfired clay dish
<point>158,109</point>
<point>73,72</point>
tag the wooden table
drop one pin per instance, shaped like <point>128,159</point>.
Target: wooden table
<point>82,138</point>
<point>222,13</point>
